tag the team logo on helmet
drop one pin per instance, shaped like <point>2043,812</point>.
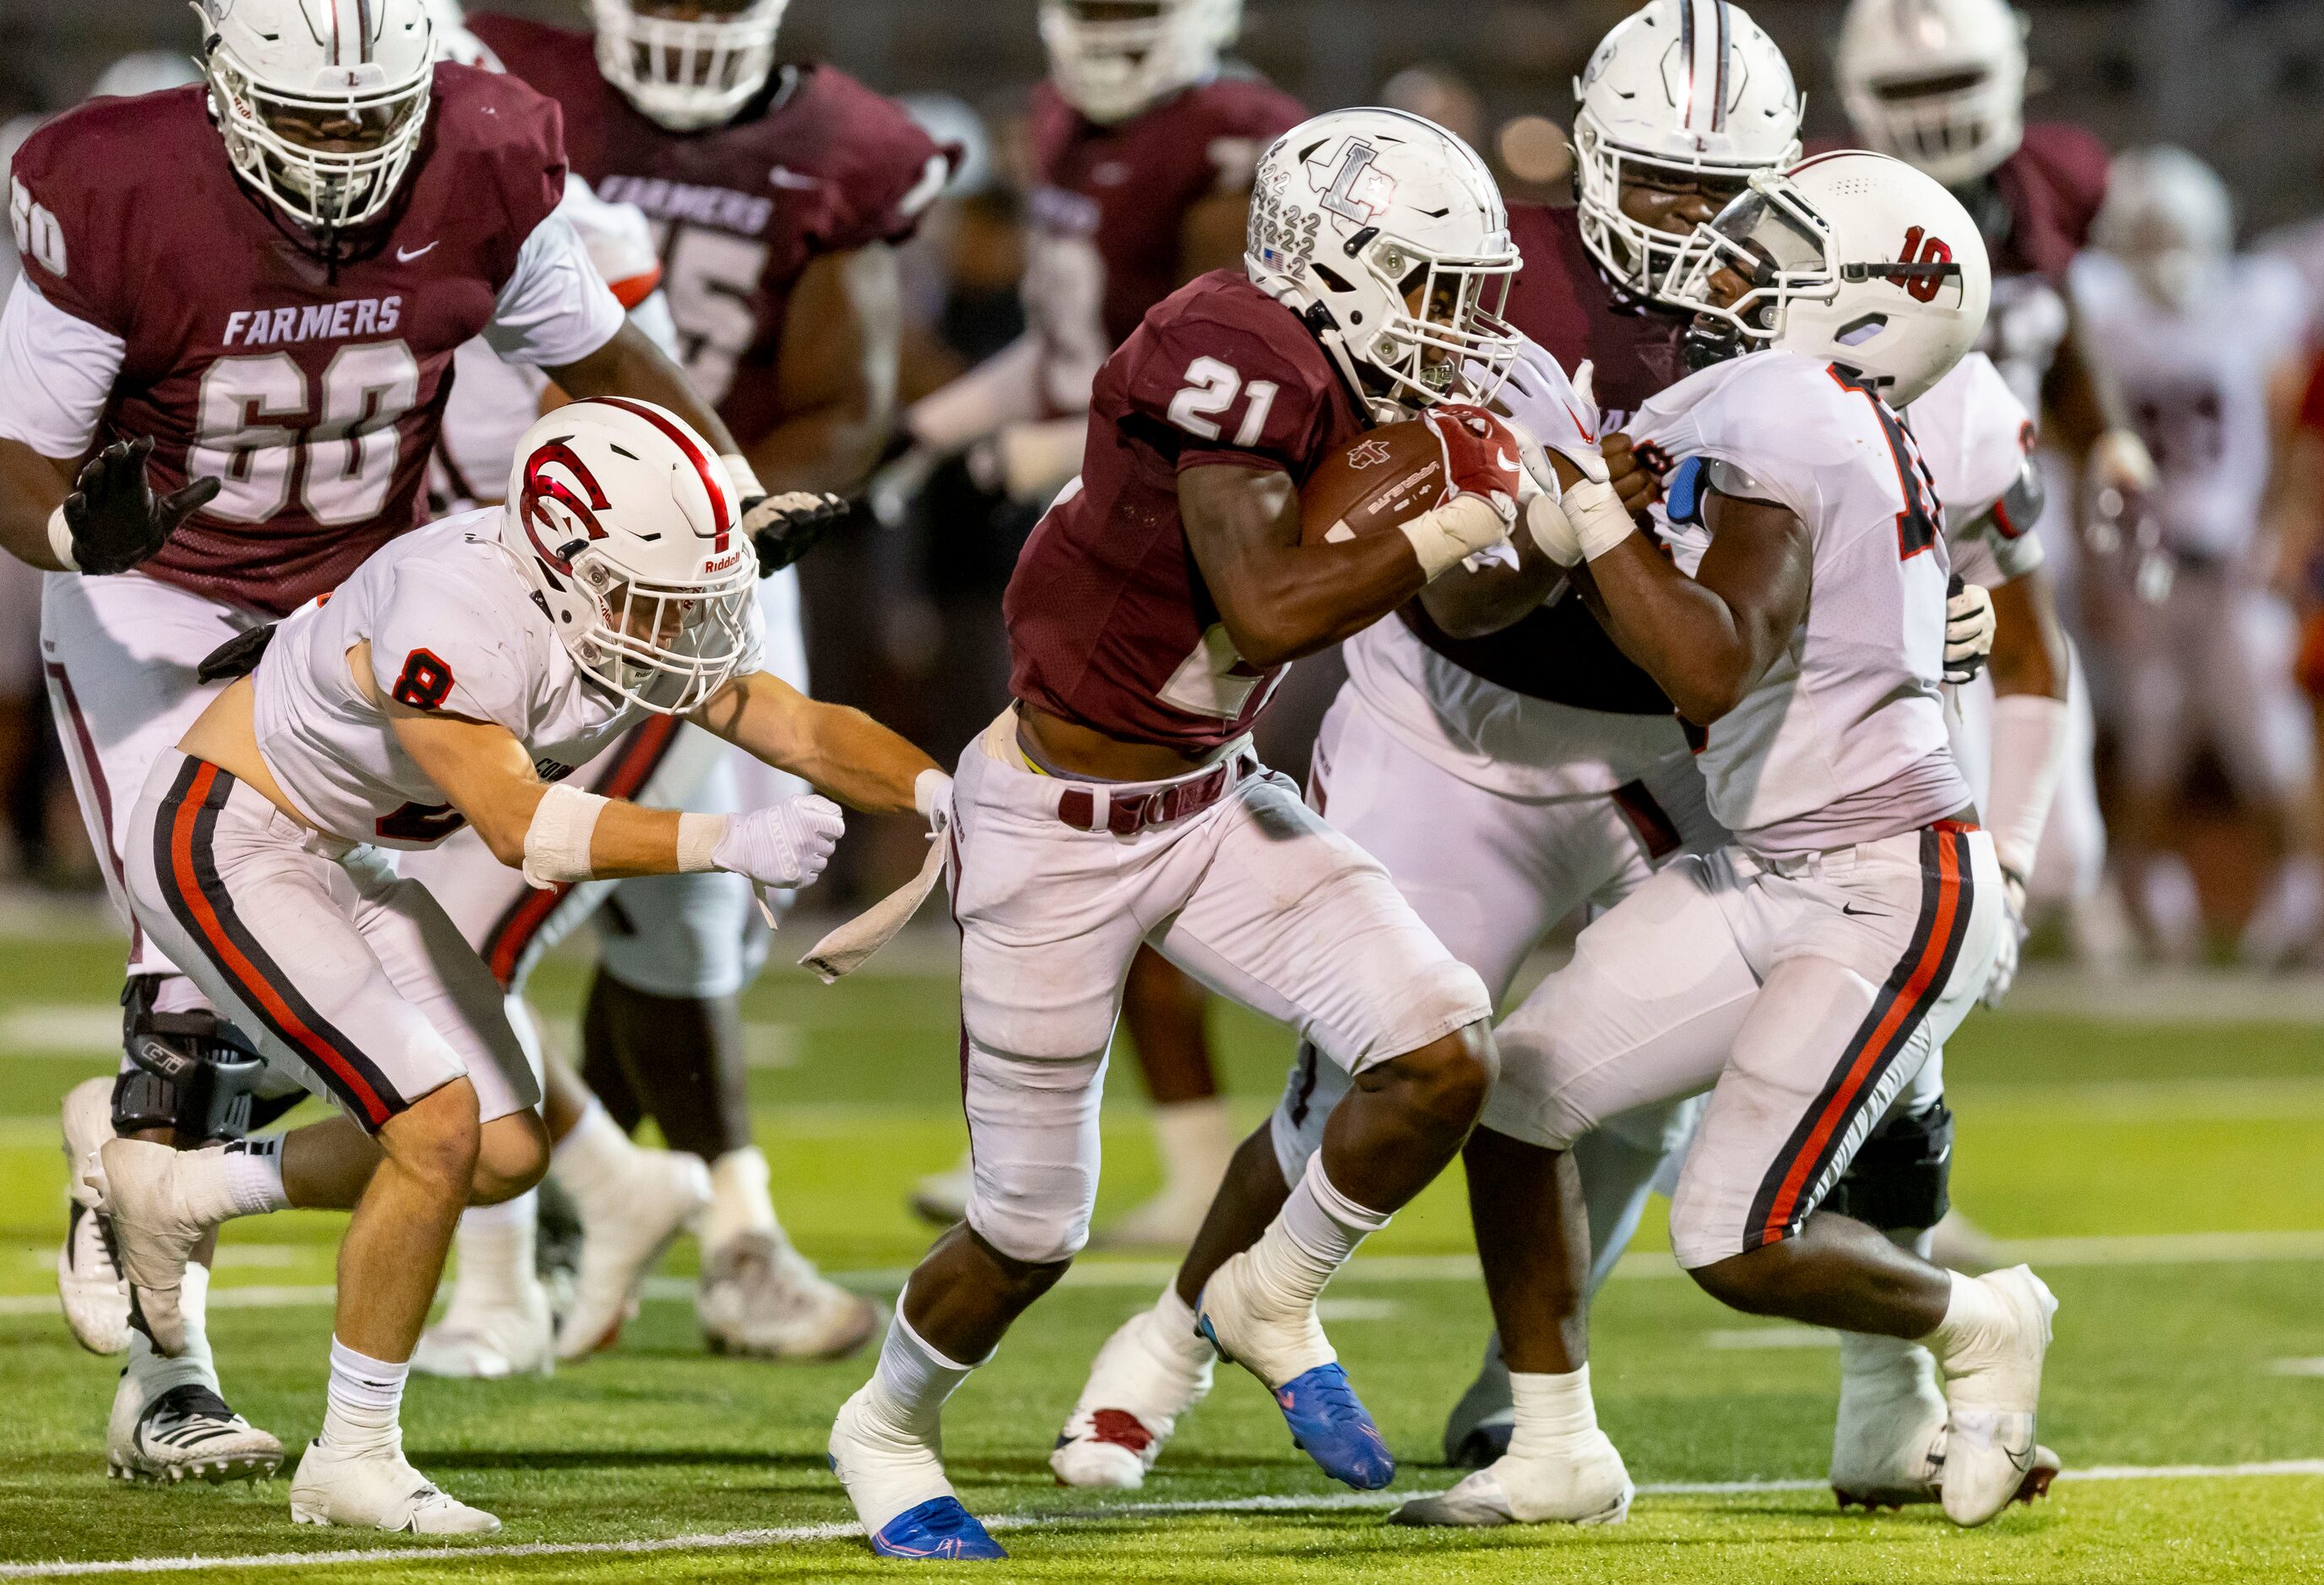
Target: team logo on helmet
<point>1356,189</point>
<point>539,489</point>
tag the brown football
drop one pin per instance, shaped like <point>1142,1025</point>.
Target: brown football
<point>1388,475</point>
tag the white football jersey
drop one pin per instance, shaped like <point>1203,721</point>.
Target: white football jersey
<point>1843,739</point>
<point>452,627</point>
<point>2195,381</point>
<point>1975,435</point>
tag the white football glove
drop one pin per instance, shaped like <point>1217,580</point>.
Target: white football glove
<point>2013,941</point>
<point>1969,626</point>
<point>785,844</point>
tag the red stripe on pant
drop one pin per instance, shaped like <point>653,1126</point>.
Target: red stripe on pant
<point>252,984</point>
<point>1875,1046</point>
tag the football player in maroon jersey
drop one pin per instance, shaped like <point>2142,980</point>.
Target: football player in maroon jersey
<point>1116,801</point>
<point>227,373</point>
<point>778,194</point>
<point>1142,146</point>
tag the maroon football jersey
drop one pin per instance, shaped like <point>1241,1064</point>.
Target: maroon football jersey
<point>1124,191</point>
<point>1110,624</point>
<point>821,165</point>
<point>313,389</point>
<point>1563,301</point>
<point>2052,186</point>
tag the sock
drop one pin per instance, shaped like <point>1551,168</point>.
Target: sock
<point>1312,1237</point>
<point>739,1200</point>
<point>365,1394</point>
<point>1173,1332</point>
<point>156,1373</point>
<point>1196,1140</point>
<point>496,1247</point>
<point>1972,1314</point>
<point>253,1176</point>
<point>913,1380</point>
<point>1554,1413</point>
<point>591,1161</point>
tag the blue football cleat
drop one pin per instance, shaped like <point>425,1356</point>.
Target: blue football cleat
<point>940,1529</point>
<point>1331,1424</point>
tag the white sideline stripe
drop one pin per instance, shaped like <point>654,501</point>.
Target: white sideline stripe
<point>797,1534</point>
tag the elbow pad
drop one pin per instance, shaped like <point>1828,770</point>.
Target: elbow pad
<point>556,843</point>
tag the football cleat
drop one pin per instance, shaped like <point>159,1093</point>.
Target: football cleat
<point>664,1189</point>
<point>153,1230</point>
<point>186,1434</point>
<point>490,1340</point>
<point>759,1297</point>
<point>1137,1387</point>
<point>377,1489</point>
<point>1284,1347</point>
<point>1478,1430</point>
<point>941,1198</point>
<point>894,1476</point>
<point>1993,1386</point>
<point>89,1277</point>
<point>1589,1487</point>
<point>939,1529</point>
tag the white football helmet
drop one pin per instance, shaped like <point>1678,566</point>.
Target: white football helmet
<point>623,523</point>
<point>1357,217</point>
<point>288,77</point>
<point>1693,88</point>
<point>1940,83</point>
<point>1112,59</point>
<point>1851,258</point>
<point>2168,216</point>
<point>691,72</point>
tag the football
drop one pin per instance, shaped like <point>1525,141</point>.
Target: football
<point>1388,475</point>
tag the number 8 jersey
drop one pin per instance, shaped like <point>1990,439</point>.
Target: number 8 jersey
<point>161,297</point>
<point>1843,739</point>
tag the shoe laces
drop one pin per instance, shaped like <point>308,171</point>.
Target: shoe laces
<point>1331,1399</point>
<point>181,1404</point>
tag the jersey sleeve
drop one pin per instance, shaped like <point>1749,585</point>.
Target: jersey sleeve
<point>2281,314</point>
<point>620,240</point>
<point>518,136</point>
<point>71,213</point>
<point>1975,437</point>
<point>436,646</point>
<point>57,374</point>
<point>1223,389</point>
<point>1255,115</point>
<point>885,170</point>
<point>556,308</point>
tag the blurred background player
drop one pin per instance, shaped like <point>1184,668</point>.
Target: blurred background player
<point>2209,350</point>
<point>1142,144</point>
<point>776,197</point>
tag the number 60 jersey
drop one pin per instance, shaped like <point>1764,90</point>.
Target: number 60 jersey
<point>163,298</point>
<point>1843,739</point>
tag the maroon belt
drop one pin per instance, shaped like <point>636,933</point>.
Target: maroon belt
<point>1127,813</point>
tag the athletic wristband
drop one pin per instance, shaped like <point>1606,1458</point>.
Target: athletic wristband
<point>742,476</point>
<point>61,545</point>
<point>556,843</point>
<point>2031,737</point>
<point>932,796</point>
<point>1601,521</point>
<point>1454,531</point>
<point>698,836</point>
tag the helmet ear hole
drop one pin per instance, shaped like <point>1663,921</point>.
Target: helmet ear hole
<point>1331,278</point>
<point>1857,332</point>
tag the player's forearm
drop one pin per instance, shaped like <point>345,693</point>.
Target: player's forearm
<point>840,752</point>
<point>831,448</point>
<point>32,488</point>
<point>2029,640</point>
<point>632,365</point>
<point>1294,600</point>
<point>1684,636</point>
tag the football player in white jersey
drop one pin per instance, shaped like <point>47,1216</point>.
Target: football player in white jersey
<point>1803,974</point>
<point>458,676</point>
<point>2209,349</point>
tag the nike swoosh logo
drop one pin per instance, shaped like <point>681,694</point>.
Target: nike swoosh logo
<point>1856,913</point>
<point>405,255</point>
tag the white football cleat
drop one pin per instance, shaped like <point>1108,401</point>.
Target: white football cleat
<point>1138,1388</point>
<point>88,1281</point>
<point>759,1297</point>
<point>186,1434</point>
<point>663,1191</point>
<point>941,1198</point>
<point>377,1489</point>
<point>491,1339</point>
<point>1888,1443</point>
<point>154,1232</point>
<point>1589,1487</point>
<point>1993,1386</point>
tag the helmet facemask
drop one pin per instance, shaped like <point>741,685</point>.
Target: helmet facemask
<point>1647,260</point>
<point>1444,338</point>
<point>1956,125</point>
<point>689,73</point>
<point>1112,58</point>
<point>669,647</point>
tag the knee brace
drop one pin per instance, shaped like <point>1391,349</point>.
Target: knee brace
<point>1033,1151</point>
<point>190,1072</point>
<point>1898,1179</point>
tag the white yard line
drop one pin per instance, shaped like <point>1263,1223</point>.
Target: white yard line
<point>799,1535</point>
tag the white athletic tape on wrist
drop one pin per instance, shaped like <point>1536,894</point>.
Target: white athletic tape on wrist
<point>697,837</point>
<point>2030,744</point>
<point>556,843</point>
<point>742,476</point>
<point>61,545</point>
<point>1453,532</point>
<point>1601,521</point>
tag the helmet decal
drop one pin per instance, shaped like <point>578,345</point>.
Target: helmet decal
<point>1357,190</point>
<point>539,487</point>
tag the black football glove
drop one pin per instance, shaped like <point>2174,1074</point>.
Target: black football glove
<point>114,520</point>
<point>783,528</point>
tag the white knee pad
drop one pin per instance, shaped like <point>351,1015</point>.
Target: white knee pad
<point>680,936</point>
<point>1315,1085</point>
<point>1033,1145</point>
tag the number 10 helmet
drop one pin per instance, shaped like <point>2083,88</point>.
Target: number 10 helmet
<point>1387,234</point>
<point>628,534</point>
<point>1854,259</point>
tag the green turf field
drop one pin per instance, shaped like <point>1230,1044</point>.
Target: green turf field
<point>2168,1180</point>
